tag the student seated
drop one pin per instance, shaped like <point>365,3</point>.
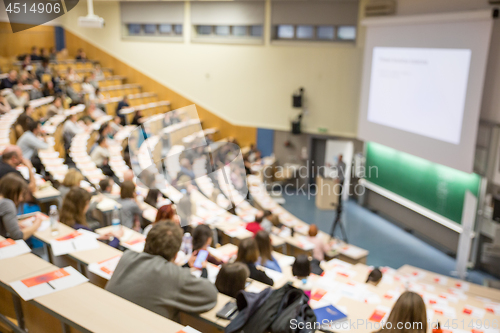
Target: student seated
<point>202,239</point>
<point>248,253</point>
<point>152,280</point>
<point>106,185</point>
<point>72,178</point>
<point>303,266</point>
<point>374,277</point>
<point>152,197</point>
<point>320,247</point>
<point>255,227</point>
<point>13,188</point>
<point>266,258</point>
<point>409,308</point>
<point>73,210</point>
<point>164,213</point>
<point>232,278</point>
<point>130,213</point>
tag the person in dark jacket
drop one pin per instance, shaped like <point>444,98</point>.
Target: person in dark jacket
<point>248,253</point>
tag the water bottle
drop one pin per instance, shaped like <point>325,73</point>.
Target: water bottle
<point>54,219</point>
<point>187,240</point>
<point>115,219</point>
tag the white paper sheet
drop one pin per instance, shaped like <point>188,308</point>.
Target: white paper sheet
<point>10,248</point>
<point>48,283</point>
<point>105,268</point>
<point>80,243</point>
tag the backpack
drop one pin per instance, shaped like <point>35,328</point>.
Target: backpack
<point>295,310</point>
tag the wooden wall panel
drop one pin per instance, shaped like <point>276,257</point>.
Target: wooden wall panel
<point>245,135</point>
<point>12,45</point>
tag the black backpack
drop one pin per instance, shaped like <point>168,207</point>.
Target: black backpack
<point>294,314</point>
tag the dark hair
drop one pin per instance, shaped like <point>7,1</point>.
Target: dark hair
<point>152,197</point>
<point>100,140</point>
<point>32,125</point>
<point>248,252</point>
<point>164,239</point>
<point>201,234</point>
<point>302,266</point>
<point>73,207</point>
<point>104,183</point>
<point>232,278</point>
<point>128,188</point>
<point>264,244</point>
<point>8,155</point>
<point>375,276</point>
<point>103,127</point>
<point>12,186</point>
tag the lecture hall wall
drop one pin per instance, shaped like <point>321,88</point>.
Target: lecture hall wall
<point>247,85</point>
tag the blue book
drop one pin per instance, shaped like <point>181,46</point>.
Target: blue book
<point>328,314</point>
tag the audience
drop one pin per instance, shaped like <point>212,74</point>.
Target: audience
<point>70,129</point>
<point>106,185</point>
<point>10,81</point>
<point>248,253</point>
<point>152,280</point>
<point>12,192</point>
<point>88,88</point>
<point>266,258</point>
<point>30,142</point>
<point>232,278</point>
<point>255,227</point>
<point>122,104</point>
<point>409,308</point>
<point>73,178</point>
<point>164,213</point>
<point>320,246</point>
<point>74,206</point>
<point>202,239</point>
<point>81,55</point>
<point>49,89</point>
<point>12,157</point>
<point>130,213</point>
<point>43,69</point>
<point>55,108</point>
<point>17,98</point>
<point>36,90</point>
<point>301,267</point>
<point>152,197</point>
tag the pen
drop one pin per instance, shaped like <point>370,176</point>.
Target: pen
<point>51,285</point>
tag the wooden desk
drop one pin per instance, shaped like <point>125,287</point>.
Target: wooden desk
<point>434,278</point>
<point>46,194</point>
<point>86,307</point>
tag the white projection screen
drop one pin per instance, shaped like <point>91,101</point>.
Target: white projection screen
<point>423,82</point>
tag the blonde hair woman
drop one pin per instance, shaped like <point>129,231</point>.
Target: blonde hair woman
<point>72,178</point>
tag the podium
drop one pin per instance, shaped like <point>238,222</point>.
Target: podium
<point>327,196</point>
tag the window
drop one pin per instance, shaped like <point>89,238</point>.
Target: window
<point>305,32</point>
<point>134,29</point>
<point>222,30</point>
<point>240,30</point>
<point>150,29</point>
<point>346,33</point>
<point>152,20</point>
<point>230,22</point>
<point>256,30</point>
<point>325,32</point>
<point>285,31</point>
<point>165,29</point>
<point>178,29</point>
<point>322,21</point>
<point>204,29</point>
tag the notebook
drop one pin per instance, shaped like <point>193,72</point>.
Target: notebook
<point>328,314</point>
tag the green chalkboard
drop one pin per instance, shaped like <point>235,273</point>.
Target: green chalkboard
<point>433,186</point>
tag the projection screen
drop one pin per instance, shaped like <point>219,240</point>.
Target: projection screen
<point>422,84</point>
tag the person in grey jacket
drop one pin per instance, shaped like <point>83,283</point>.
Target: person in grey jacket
<point>152,280</point>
